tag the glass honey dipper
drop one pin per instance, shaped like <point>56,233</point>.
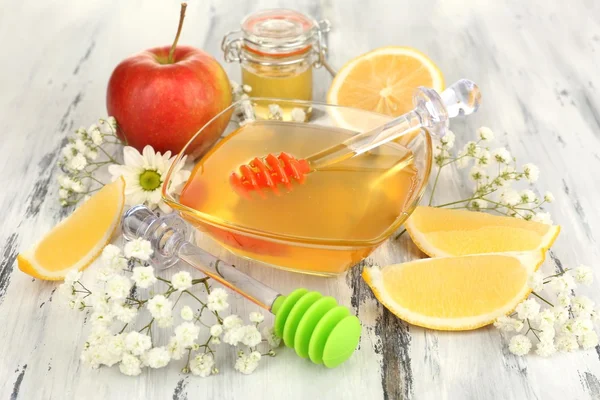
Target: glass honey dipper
<point>432,112</point>
<point>315,326</point>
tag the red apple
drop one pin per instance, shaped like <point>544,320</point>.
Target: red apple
<point>162,99</point>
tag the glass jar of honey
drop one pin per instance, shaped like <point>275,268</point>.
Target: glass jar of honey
<point>277,50</point>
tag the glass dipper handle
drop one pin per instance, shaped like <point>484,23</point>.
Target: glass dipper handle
<point>315,326</point>
<point>432,111</point>
<point>169,238</point>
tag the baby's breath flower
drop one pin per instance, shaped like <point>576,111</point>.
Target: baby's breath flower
<point>157,357</point>
<point>130,365</point>
<point>510,197</point>
<point>561,314</point>
<point>589,340</point>
<point>256,317</point>
<point>528,309</point>
<point>545,348</point>
<point>187,314</point>
<point>143,277</point>
<point>100,318</point>
<point>583,274</point>
<point>138,248</point>
<point>519,345</point>
<point>582,306</point>
<point>548,197</point>
<point>251,337</point>
<point>566,343</point>
<point>118,287</point>
<point>77,163</point>
<point>485,134</point>
<point>501,156</point>
<point>182,280</point>
<point>202,365</point>
<point>479,204</point>
<point>123,313</point>
<point>246,364</point>
<point>216,330</point>
<point>448,140</point>
<point>175,348</point>
<point>563,283</point>
<point>547,333</point>
<point>532,172</point>
<point>187,333</point>
<point>232,321</point>
<point>298,114</point>
<point>137,343</point>
<point>159,306</point>
<point>528,196</point>
<point>564,299</point>
<point>272,338</point>
<point>536,281</point>
<point>235,335</point>
<point>546,319</point>
<point>484,158</point>
<point>508,324</point>
<point>275,112</point>
<point>217,300</point>
<point>477,174</point>
<point>471,149</point>
<point>72,276</point>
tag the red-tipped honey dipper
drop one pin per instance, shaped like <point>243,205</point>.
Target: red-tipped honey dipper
<point>432,112</point>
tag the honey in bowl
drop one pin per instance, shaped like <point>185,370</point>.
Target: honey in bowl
<point>353,202</point>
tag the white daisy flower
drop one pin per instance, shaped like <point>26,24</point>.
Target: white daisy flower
<point>144,175</point>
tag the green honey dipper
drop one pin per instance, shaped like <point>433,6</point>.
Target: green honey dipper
<point>315,326</point>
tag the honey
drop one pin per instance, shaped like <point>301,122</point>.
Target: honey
<point>277,51</point>
<point>351,203</point>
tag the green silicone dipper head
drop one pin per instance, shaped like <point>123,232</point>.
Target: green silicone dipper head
<point>316,327</point>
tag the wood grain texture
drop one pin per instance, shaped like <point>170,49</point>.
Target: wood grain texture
<point>537,63</point>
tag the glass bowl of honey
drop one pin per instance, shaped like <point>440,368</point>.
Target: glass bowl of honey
<point>323,226</point>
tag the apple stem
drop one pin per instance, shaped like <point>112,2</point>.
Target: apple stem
<point>181,17</point>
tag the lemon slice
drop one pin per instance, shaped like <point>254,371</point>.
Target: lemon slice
<point>77,241</point>
<point>383,81</point>
<point>442,232</point>
<point>454,293</point>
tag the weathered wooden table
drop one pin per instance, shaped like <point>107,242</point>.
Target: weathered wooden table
<point>537,63</point>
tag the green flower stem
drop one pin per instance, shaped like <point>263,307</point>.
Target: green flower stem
<point>543,299</point>
<point>123,330</point>
<point>437,177</point>
<point>107,155</point>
